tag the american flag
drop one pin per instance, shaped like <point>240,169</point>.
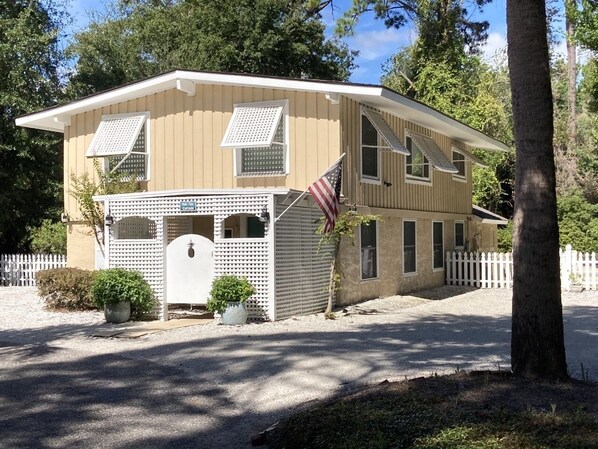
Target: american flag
<point>326,192</point>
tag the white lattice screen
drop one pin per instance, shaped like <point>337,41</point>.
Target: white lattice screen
<point>302,273</point>
<point>116,135</point>
<point>134,228</point>
<point>253,125</point>
<point>246,257</point>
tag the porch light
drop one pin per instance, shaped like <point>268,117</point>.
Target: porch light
<point>264,216</point>
<point>109,219</point>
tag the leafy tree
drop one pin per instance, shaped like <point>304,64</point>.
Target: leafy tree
<point>30,161</point>
<point>138,39</point>
<point>537,342</point>
<point>49,238</point>
<point>578,222</point>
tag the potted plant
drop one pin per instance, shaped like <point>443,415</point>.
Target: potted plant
<point>575,284</point>
<point>228,296</point>
<point>119,292</point>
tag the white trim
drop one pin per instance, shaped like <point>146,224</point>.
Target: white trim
<point>195,192</point>
<point>414,221</point>
<point>376,96</point>
<point>361,279</point>
<point>271,236</point>
<point>438,269</point>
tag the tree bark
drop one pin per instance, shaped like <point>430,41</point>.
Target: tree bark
<point>537,344</point>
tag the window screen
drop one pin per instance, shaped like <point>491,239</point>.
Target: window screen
<point>368,243</point>
<point>459,235</point>
<point>409,248</point>
<point>459,163</point>
<point>438,244</point>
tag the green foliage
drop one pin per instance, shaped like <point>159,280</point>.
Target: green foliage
<point>228,288</point>
<point>114,285</point>
<point>345,226</point>
<point>505,238</point>
<point>138,39</point>
<point>49,238</point>
<point>30,160</point>
<point>578,222</point>
<point>66,288</point>
<point>84,188</point>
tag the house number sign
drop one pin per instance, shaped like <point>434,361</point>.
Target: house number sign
<point>188,206</point>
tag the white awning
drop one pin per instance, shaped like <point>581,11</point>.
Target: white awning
<point>385,131</point>
<point>116,135</point>
<point>476,160</point>
<point>433,152</point>
<point>253,125</point>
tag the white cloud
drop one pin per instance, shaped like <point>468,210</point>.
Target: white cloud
<point>494,46</point>
<point>380,44</point>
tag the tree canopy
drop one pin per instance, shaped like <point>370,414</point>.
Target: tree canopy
<point>30,161</point>
<point>138,39</point>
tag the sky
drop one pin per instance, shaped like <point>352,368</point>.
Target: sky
<point>375,43</point>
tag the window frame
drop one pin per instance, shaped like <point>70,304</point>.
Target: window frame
<point>363,177</point>
<point>434,244</point>
<point>459,176</point>
<point>410,177</point>
<point>146,129</point>
<point>376,259</point>
<point>238,151</point>
<point>460,247</point>
<point>414,272</point>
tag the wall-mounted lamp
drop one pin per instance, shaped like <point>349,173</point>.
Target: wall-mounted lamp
<point>109,219</point>
<point>264,216</point>
<point>64,217</point>
<point>387,184</point>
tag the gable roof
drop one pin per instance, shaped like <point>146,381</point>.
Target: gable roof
<point>57,117</point>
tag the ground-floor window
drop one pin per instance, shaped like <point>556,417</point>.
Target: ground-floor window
<point>459,235</point>
<point>368,243</point>
<point>438,244</point>
<point>409,247</point>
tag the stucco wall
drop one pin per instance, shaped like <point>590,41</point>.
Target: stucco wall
<point>80,245</point>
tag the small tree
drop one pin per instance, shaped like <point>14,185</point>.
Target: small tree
<point>84,188</point>
<point>49,238</point>
<point>345,226</point>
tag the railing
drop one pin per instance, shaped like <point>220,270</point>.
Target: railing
<point>19,269</point>
<point>495,270</point>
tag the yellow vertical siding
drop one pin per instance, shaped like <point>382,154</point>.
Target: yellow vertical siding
<point>443,194</point>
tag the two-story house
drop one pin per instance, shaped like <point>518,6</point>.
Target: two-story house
<point>219,157</point>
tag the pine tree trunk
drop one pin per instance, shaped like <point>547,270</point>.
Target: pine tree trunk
<point>537,345</point>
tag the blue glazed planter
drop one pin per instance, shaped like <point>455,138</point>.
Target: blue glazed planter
<point>235,313</point>
<point>117,313</point>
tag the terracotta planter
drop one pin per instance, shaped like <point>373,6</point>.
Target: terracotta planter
<point>235,313</point>
<point>117,313</point>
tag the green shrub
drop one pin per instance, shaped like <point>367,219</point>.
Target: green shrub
<point>66,288</point>
<point>114,285</point>
<point>228,288</point>
<point>49,238</point>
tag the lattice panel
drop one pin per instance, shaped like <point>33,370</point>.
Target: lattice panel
<point>177,226</point>
<point>263,161</point>
<point>243,257</point>
<point>302,273</point>
<point>247,257</point>
<point>116,135</point>
<point>134,228</point>
<point>253,125</point>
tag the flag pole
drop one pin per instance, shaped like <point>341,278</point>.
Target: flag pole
<point>300,197</point>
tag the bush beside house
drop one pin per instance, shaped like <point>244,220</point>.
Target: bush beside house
<point>66,288</point>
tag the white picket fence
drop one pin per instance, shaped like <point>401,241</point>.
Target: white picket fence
<point>495,270</point>
<point>19,269</point>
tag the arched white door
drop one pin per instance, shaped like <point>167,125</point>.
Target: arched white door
<point>189,269</point>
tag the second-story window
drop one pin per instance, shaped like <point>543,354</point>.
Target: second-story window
<point>417,165</point>
<point>376,136</point>
<point>258,133</point>
<point>459,163</point>
<point>121,141</point>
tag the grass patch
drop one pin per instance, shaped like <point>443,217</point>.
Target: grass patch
<point>460,411</point>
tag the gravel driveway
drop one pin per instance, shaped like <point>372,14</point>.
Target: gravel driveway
<point>211,386</point>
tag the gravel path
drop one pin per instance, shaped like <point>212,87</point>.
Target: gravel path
<point>211,386</point>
